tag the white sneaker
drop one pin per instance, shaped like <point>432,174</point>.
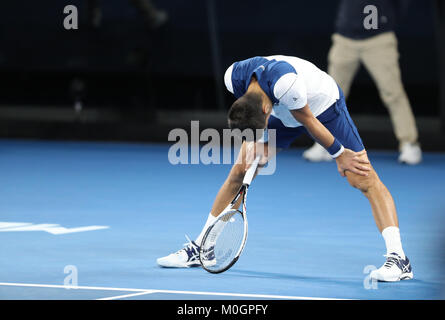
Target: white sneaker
<point>187,257</point>
<point>410,153</point>
<point>317,153</point>
<point>394,269</point>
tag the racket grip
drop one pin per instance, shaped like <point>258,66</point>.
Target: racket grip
<point>251,171</point>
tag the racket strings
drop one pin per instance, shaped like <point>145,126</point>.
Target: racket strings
<point>223,242</point>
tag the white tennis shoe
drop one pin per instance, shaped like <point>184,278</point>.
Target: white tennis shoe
<point>317,153</point>
<point>187,257</point>
<point>394,269</point>
<point>410,153</point>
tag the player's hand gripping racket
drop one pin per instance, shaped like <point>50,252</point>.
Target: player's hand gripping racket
<point>224,240</point>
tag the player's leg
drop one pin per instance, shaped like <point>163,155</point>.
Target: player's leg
<point>232,184</point>
<point>380,57</point>
<point>189,255</point>
<point>343,63</point>
<point>397,266</point>
<point>380,199</point>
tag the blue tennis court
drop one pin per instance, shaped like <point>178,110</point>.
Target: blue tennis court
<point>97,215</point>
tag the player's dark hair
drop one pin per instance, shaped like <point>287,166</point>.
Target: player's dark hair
<point>247,113</point>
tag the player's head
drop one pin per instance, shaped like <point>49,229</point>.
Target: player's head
<point>248,112</point>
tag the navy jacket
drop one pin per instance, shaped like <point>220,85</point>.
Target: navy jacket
<point>350,17</point>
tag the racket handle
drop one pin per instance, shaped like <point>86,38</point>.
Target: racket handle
<point>251,171</point>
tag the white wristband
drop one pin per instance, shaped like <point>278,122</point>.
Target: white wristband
<point>338,153</point>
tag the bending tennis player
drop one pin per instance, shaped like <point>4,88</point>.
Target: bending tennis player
<point>293,96</point>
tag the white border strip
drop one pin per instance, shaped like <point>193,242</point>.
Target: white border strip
<point>147,291</point>
<point>127,295</point>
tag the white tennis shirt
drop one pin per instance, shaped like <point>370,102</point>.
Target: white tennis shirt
<point>289,82</point>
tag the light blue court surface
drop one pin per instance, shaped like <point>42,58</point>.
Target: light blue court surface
<point>102,213</point>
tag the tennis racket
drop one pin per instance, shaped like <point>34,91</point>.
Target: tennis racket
<point>225,239</point>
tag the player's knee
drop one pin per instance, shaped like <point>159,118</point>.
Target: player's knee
<point>363,183</point>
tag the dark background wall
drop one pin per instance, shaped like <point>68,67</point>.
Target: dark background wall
<point>123,65</point>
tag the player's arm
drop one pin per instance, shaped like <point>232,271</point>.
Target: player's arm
<point>291,91</point>
<point>346,158</point>
<point>233,182</point>
<point>316,129</point>
<point>235,178</point>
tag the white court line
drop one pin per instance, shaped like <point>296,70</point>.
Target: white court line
<point>141,291</point>
<point>127,295</point>
<point>69,287</point>
<point>244,295</point>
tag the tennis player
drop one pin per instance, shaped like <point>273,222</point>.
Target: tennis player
<point>293,96</point>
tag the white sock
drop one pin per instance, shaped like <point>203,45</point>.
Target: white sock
<point>209,221</point>
<point>393,241</point>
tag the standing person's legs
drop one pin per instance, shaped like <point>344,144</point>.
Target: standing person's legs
<point>343,61</point>
<point>380,57</point>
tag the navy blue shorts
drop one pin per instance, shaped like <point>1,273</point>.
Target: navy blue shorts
<point>336,119</point>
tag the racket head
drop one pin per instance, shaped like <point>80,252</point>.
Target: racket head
<point>224,241</point>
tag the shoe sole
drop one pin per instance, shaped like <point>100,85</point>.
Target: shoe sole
<point>407,276</point>
<point>179,267</point>
<point>403,276</point>
<point>409,163</point>
<point>189,265</point>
